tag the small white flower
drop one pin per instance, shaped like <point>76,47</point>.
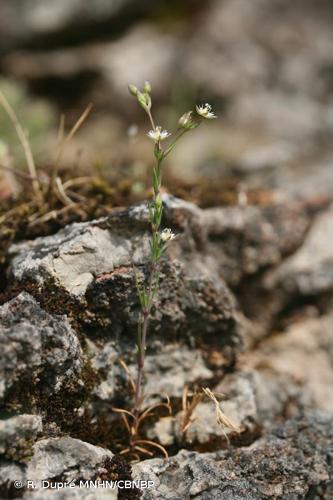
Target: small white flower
<point>167,235</point>
<point>205,110</point>
<point>158,134</point>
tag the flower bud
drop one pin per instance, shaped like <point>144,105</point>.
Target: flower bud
<point>133,90</point>
<point>147,87</point>
<point>187,122</point>
<point>144,100</point>
<point>184,119</point>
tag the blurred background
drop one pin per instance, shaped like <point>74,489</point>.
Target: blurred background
<point>265,66</point>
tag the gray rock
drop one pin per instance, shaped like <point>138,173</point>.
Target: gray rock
<point>150,54</point>
<point>252,399</point>
<point>18,433</point>
<point>171,369</point>
<point>309,271</point>
<point>60,460</point>
<point>89,268</point>
<point>10,471</point>
<point>65,457</point>
<point>238,404</point>
<point>74,255</point>
<point>291,461</point>
<point>79,253</point>
<point>74,493</point>
<point>245,63</point>
<point>38,350</point>
<point>190,306</point>
<point>307,178</point>
<point>104,359</point>
<point>166,372</point>
<point>304,353</point>
<point>22,22</point>
<point>243,240</point>
<point>272,119</point>
<point>276,87</point>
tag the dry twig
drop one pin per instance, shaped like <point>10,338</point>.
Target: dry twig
<point>25,145</point>
<point>221,418</point>
<point>62,142</point>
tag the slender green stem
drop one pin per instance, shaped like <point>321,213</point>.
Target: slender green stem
<point>142,337</point>
<point>155,221</point>
<point>151,119</point>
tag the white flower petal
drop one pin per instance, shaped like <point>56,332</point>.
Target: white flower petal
<point>158,134</point>
<point>205,110</point>
<point>167,235</point>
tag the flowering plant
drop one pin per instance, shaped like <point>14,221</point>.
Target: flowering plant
<point>159,239</point>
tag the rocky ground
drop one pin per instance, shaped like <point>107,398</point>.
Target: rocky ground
<point>245,306</point>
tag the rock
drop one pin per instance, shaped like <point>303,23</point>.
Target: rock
<point>190,306</point>
<point>304,353</point>
<point>65,457</point>
<point>177,367</point>
<point>80,252</point>
<point>86,271</point>
<point>272,117</point>
<point>166,372</point>
<point>308,272</point>
<point>292,460</point>
<point>252,400</point>
<point>73,256</point>
<point>238,403</point>
<point>244,63</point>
<point>62,460</point>
<point>17,434</point>
<point>307,178</point>
<point>273,91</point>
<point>89,268</point>
<point>10,471</point>
<point>45,22</point>
<point>91,264</point>
<point>244,240</point>
<point>303,115</point>
<point>104,360</point>
<point>276,395</point>
<point>74,493</point>
<point>150,55</point>
<point>40,352</point>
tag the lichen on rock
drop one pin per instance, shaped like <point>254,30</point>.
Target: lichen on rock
<point>41,353</point>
